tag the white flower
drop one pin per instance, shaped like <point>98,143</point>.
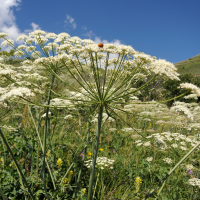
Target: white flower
<point>139,144</point>
<point>2,35</point>
<point>182,143</point>
<point>68,117</point>
<point>191,96</point>
<point>8,42</point>
<point>149,159</point>
<point>17,92</point>
<point>102,162</point>
<point>51,35</point>
<point>194,182</point>
<point>147,144</point>
<point>44,115</point>
<point>168,160</point>
<point>183,148</point>
<point>22,37</point>
<point>174,145</point>
<point>180,108</point>
<point>193,88</point>
<point>37,33</point>
<point>189,167</point>
<point>112,129</point>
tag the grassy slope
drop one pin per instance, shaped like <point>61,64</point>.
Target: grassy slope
<point>191,65</point>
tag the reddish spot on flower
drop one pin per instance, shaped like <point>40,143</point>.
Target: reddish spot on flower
<point>100,45</point>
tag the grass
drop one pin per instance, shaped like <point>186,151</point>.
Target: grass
<point>191,65</point>
<point>67,138</point>
<point>129,177</point>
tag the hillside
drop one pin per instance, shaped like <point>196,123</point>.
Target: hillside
<point>191,65</point>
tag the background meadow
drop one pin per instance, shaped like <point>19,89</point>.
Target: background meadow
<point>136,149</point>
<point>93,118</point>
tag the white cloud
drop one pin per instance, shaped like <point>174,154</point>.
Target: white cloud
<point>8,21</point>
<point>98,40</point>
<point>84,27</point>
<point>7,18</point>
<point>89,34</point>
<point>34,27</point>
<point>70,21</point>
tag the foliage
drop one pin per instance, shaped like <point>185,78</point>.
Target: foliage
<point>49,146</point>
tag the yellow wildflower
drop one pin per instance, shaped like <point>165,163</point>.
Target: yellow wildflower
<point>48,153</point>
<point>101,149</point>
<point>65,180</point>
<point>138,182</point>
<point>89,155</point>
<point>83,191</point>
<point>59,162</point>
<point>71,173</point>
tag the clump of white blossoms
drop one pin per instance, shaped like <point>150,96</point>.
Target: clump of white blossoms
<point>106,75</point>
<point>194,89</point>
<point>168,160</point>
<point>84,60</point>
<point>102,163</point>
<point>194,182</point>
<point>167,140</point>
<point>182,109</point>
<point>189,166</point>
<point>149,159</point>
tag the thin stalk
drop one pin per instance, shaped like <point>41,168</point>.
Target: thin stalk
<point>160,189</point>
<point>95,151</point>
<point>80,172</point>
<point>172,170</point>
<point>13,157</point>
<point>37,129</point>
<point>4,197</point>
<point>95,186</point>
<point>45,137</point>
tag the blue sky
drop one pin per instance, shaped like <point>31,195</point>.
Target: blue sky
<point>167,29</point>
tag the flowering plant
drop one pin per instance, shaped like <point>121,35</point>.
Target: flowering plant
<point>106,76</point>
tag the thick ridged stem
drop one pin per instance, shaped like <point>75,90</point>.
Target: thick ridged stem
<point>95,151</point>
<point>45,138</point>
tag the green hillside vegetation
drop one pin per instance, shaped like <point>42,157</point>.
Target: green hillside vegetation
<point>189,66</point>
<point>132,157</point>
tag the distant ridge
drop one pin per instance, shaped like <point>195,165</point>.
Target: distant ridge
<point>189,66</point>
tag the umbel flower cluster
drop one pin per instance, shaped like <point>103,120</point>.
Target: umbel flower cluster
<point>105,73</point>
<point>102,163</point>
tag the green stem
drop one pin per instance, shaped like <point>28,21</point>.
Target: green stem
<point>161,189</point>
<point>95,185</point>
<point>13,157</point>
<point>37,130</point>
<point>1,192</point>
<point>172,170</point>
<point>80,172</point>
<point>95,151</point>
<point>45,138</point>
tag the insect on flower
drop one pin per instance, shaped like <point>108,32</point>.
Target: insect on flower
<point>100,45</point>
